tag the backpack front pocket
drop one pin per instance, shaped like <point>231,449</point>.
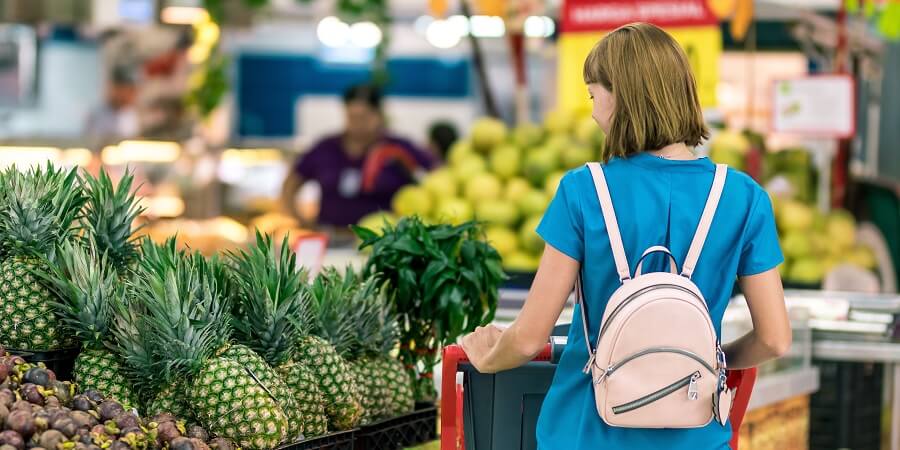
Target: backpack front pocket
<point>689,381</point>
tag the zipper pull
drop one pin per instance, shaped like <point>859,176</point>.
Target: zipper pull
<point>693,393</point>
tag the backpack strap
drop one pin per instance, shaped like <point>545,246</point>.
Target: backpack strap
<point>612,225</point>
<point>709,211</point>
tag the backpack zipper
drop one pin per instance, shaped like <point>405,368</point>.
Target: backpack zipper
<point>690,381</point>
<point>638,293</point>
<point>612,368</point>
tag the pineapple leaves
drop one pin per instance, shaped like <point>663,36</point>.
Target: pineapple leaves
<point>109,214</point>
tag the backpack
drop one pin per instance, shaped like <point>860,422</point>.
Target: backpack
<point>657,362</point>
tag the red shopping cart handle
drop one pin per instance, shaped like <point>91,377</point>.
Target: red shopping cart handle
<point>451,401</point>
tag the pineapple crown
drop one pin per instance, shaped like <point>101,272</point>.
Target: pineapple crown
<point>86,288</point>
<point>108,218</point>
<point>39,209</point>
<point>352,314</point>
<point>185,317</point>
<point>271,305</point>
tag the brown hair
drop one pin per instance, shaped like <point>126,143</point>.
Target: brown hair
<point>655,92</point>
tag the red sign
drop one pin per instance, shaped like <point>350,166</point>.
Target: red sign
<point>600,15</point>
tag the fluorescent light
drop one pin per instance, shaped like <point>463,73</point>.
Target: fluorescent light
<point>183,15</point>
<point>25,157</point>
<point>539,26</point>
<point>487,26</point>
<point>460,24</point>
<point>365,35</point>
<point>333,32</point>
<point>80,157</point>
<point>442,34</point>
<point>141,151</point>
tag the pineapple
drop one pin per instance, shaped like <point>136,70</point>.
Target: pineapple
<point>270,303</point>
<point>38,211</point>
<point>361,326</point>
<point>88,287</point>
<point>189,326</point>
<point>322,349</point>
<point>108,218</point>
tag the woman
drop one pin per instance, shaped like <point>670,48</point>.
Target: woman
<point>645,99</point>
<point>360,169</point>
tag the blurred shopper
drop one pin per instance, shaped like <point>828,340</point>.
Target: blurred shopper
<point>117,117</point>
<point>360,169</point>
<point>645,100</point>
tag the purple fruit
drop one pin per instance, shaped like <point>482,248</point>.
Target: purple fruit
<point>196,431</point>
<point>52,401</point>
<point>99,430</point>
<point>163,417</point>
<point>119,445</point>
<point>32,394</point>
<point>7,398</point>
<point>82,403</point>
<point>51,438</point>
<point>110,409</point>
<point>199,444</point>
<point>21,422</point>
<point>127,420</point>
<point>220,443</point>
<point>83,419</point>
<point>37,375</point>
<point>95,396</point>
<point>168,431</point>
<point>12,439</point>
<point>4,413</point>
<point>66,426</point>
<point>21,405</point>
<point>181,443</point>
<point>4,371</point>
<point>41,423</point>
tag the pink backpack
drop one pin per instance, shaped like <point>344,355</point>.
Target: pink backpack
<point>657,361</point>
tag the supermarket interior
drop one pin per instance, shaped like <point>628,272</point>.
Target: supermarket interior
<point>266,224</point>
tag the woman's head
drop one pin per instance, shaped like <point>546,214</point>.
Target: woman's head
<point>364,119</point>
<point>644,93</point>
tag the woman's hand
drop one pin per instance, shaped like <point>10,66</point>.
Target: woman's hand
<point>479,344</point>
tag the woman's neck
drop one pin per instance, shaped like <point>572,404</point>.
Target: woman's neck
<point>357,147</point>
<point>678,151</point>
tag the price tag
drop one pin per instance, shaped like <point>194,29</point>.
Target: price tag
<point>310,249</point>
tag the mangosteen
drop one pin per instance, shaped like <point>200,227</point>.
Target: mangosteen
<point>196,431</point>
<point>32,394</point>
<point>163,417</point>
<point>12,439</point>
<point>98,430</point>
<point>4,371</point>
<point>65,425</point>
<point>119,445</point>
<point>21,422</point>
<point>168,431</point>
<point>22,405</point>
<point>95,396</point>
<point>52,401</point>
<point>127,420</point>
<point>41,423</point>
<point>62,390</point>
<point>7,447</point>
<point>51,374</point>
<point>37,375</point>
<point>51,438</point>
<point>109,409</point>
<point>82,403</point>
<point>36,448</point>
<point>4,413</point>
<point>199,444</point>
<point>181,443</point>
<point>221,443</point>
<point>83,419</point>
<point>7,397</point>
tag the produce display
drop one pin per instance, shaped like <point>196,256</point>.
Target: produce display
<point>39,412</point>
<point>242,344</point>
<point>504,178</point>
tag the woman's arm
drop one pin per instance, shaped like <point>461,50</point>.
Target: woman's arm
<point>771,335</point>
<point>491,350</point>
<point>289,189</point>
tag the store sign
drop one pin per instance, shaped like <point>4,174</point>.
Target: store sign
<point>815,106</point>
<point>593,15</point>
<point>584,22</point>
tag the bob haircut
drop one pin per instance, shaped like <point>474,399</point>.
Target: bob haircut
<point>656,95</point>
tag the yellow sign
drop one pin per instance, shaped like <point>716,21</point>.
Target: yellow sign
<point>703,45</point>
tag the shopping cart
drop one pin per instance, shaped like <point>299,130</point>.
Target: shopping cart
<point>499,411</point>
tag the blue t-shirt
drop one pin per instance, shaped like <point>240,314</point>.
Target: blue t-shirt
<point>657,202</point>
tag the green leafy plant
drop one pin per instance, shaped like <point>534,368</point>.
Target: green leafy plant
<point>442,281</point>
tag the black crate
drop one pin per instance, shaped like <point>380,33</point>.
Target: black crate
<point>341,440</point>
<point>846,411</point>
<point>61,362</point>
<point>415,428</point>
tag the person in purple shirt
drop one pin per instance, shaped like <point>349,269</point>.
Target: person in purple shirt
<point>360,169</point>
